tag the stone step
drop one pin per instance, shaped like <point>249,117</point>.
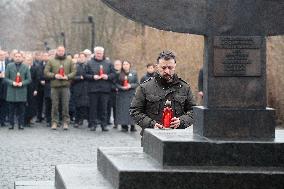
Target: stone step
<point>34,185</point>
<point>183,148</point>
<point>130,168</point>
<point>79,176</point>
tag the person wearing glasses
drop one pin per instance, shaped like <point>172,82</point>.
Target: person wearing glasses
<point>147,106</point>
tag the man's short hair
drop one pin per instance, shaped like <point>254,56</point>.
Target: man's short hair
<point>83,53</point>
<point>149,65</point>
<point>166,55</point>
<point>19,52</point>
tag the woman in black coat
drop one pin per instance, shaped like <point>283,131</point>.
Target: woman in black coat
<point>126,83</point>
<point>80,91</point>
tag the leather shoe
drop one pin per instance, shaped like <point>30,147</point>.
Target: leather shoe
<point>104,129</point>
<point>11,127</point>
<point>133,129</point>
<point>21,127</point>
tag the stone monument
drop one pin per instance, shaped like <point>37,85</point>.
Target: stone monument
<point>234,143</point>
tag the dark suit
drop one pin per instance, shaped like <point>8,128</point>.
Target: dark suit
<point>99,91</point>
<point>40,89</point>
<point>3,93</point>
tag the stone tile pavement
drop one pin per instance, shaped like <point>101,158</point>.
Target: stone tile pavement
<point>32,154</point>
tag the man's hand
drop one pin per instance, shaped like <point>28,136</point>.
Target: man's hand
<point>104,77</point>
<point>200,93</point>
<point>81,77</point>
<point>58,76</point>
<point>126,87</point>
<point>15,84</point>
<point>175,123</point>
<point>97,77</point>
<point>35,93</point>
<point>158,126</point>
<point>42,82</point>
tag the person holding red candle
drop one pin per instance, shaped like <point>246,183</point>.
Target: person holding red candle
<point>149,108</point>
<point>17,77</point>
<point>60,70</point>
<point>126,83</point>
<point>100,74</point>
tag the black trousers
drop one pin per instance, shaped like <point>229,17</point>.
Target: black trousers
<point>3,111</point>
<point>112,106</point>
<point>16,109</point>
<point>98,108</point>
<point>80,114</point>
<point>40,99</point>
<point>47,101</point>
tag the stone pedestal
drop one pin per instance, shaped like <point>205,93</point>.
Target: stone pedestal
<point>180,160</point>
<point>234,123</point>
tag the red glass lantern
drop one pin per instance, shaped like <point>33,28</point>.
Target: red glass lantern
<point>125,82</point>
<point>101,70</point>
<point>61,70</point>
<point>18,78</point>
<point>168,114</point>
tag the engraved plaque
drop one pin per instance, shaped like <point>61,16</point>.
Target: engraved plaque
<point>237,56</point>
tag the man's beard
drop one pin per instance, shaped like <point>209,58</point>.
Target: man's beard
<point>18,62</point>
<point>167,78</point>
<point>60,57</point>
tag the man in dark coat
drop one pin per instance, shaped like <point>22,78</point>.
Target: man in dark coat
<point>100,73</point>
<point>80,87</point>
<point>3,89</point>
<point>31,105</point>
<point>150,98</point>
<point>17,89</point>
<point>117,64</point>
<point>39,65</point>
<point>45,83</point>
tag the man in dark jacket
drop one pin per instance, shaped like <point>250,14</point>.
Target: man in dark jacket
<point>150,73</point>
<point>45,83</point>
<point>100,73</point>
<point>39,65</point>
<point>150,98</point>
<point>31,105</point>
<point>80,87</point>
<point>3,89</point>
<point>18,77</point>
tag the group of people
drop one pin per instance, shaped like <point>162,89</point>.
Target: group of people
<point>81,87</point>
<point>89,87</point>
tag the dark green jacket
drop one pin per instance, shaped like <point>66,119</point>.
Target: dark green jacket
<point>147,106</point>
<point>17,94</point>
<point>52,68</point>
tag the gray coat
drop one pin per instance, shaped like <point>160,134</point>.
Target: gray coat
<point>124,98</point>
<point>148,104</point>
<point>17,94</point>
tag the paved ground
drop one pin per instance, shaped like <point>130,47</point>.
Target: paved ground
<point>32,154</point>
